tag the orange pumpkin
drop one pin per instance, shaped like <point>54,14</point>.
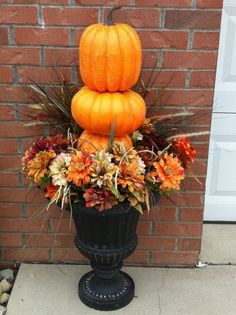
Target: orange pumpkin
<point>96,111</point>
<point>92,142</point>
<point>110,57</point>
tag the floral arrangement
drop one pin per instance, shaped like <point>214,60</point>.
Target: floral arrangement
<point>103,178</point>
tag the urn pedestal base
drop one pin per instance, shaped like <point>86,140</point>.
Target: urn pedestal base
<point>106,294</point>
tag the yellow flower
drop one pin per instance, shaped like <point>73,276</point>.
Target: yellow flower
<point>37,167</point>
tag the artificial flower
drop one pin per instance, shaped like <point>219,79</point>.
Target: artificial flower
<point>51,191</point>
<point>99,198</point>
<point>184,151</point>
<point>169,172</point>
<point>38,166</point>
<point>80,168</point>
<point>103,170</point>
<point>59,168</point>
<point>130,176</point>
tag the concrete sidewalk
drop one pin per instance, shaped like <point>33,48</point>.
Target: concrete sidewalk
<point>52,290</point>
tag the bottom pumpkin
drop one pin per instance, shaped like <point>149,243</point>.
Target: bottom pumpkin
<point>93,142</point>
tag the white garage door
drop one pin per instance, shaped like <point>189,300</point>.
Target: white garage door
<point>220,198</point>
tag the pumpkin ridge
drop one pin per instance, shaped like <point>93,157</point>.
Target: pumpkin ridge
<point>87,61</point>
<point>138,50</point>
<point>121,54</point>
<point>132,74</point>
<point>92,62</point>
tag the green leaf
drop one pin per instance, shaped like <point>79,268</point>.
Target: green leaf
<point>44,182</point>
<point>112,135</point>
<point>115,191</point>
<point>139,208</point>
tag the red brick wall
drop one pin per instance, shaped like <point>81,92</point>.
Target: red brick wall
<point>34,36</point>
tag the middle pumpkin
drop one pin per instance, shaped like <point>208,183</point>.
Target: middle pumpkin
<point>96,112</point>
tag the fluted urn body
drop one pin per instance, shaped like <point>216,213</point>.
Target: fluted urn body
<point>106,238</point>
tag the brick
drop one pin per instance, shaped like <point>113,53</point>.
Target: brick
<point>136,17</point>
<point>8,146</point>
<point>10,210</point>
<point>175,258</point>
<point>68,255</point>
<point>24,225</point>
<point>63,226</point>
<point>190,183</point>
<point>190,59</point>
<point>61,56</point>
<point>149,58</point>
<point>199,167</point>
<point>187,97</point>
<point>50,2</point>
<point>164,78</point>
<point>210,4</point>
<point>178,229</point>
<point>4,40</point>
<point>70,16</point>
<point>13,94</point>
<point>156,243</point>
<point>46,240</point>
<point>104,2</point>
<point>53,212</point>
<point>25,254</point>
<point>22,56</point>
<point>183,199</point>
<point>206,40</point>
<point>165,3</point>
<point>163,39</point>
<point>9,179</point>
<point>10,163</point>
<point>39,36</point>
<point>139,257</point>
<point>16,129</point>
<point>202,150</point>
<point>144,228</point>
<point>160,214</point>
<point>18,15</point>
<point>202,79</point>
<point>21,195</point>
<point>5,75</point>
<point>78,34</point>
<point>191,214</point>
<point>10,240</point>
<point>41,75</point>
<point>182,19</point>
<point>7,112</point>
<point>190,244</point>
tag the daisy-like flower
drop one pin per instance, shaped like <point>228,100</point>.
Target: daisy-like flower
<point>99,198</point>
<point>169,172</point>
<point>103,170</point>
<point>130,175</point>
<point>38,167</point>
<point>80,168</point>
<point>58,169</point>
<point>185,152</point>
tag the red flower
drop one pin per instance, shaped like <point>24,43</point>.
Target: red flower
<point>51,191</point>
<point>99,198</point>
<point>185,152</point>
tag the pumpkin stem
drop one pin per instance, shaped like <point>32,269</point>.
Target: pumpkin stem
<point>109,17</point>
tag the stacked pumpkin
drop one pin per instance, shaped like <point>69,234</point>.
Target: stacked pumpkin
<point>110,64</point>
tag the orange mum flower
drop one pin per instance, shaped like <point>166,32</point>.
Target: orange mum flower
<point>129,176</point>
<point>51,191</point>
<point>184,150</point>
<point>79,170</point>
<point>99,198</point>
<point>169,172</point>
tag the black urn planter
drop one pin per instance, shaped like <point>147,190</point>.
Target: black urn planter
<point>106,238</point>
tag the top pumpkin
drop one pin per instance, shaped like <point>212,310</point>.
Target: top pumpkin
<point>110,57</point>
